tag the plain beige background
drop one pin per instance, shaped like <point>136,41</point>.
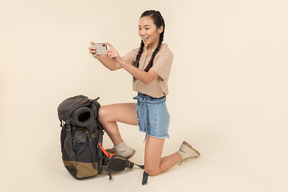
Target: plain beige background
<point>228,90</point>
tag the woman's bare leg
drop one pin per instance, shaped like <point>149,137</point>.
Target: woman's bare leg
<point>153,162</point>
<point>109,115</point>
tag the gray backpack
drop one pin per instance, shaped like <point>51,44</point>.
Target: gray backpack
<point>82,137</point>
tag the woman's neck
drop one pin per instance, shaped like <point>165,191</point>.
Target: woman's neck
<point>151,47</point>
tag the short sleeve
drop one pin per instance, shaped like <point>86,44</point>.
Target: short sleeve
<point>131,56</point>
<point>162,65</point>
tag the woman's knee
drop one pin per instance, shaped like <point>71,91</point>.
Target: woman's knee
<point>152,169</point>
<point>152,172</point>
<point>103,114</point>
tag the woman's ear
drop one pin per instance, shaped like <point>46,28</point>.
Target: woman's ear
<point>160,30</point>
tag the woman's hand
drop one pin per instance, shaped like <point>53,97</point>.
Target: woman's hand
<point>113,54</point>
<point>110,59</point>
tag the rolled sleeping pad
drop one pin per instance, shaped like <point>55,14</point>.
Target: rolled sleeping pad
<point>83,116</point>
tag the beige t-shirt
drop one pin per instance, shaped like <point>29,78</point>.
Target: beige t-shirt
<point>161,65</point>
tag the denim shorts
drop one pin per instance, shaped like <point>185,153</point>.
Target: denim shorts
<point>153,115</point>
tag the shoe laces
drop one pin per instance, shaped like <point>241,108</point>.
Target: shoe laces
<point>180,162</point>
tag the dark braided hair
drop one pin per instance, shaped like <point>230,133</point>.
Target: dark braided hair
<point>158,21</point>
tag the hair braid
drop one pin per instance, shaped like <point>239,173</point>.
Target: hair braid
<point>150,64</point>
<point>136,63</point>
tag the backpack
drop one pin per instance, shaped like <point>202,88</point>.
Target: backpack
<point>81,140</point>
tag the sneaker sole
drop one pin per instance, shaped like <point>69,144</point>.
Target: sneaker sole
<point>188,145</point>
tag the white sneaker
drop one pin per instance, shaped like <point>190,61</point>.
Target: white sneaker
<point>123,150</point>
<point>186,151</point>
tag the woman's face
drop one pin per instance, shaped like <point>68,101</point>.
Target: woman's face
<point>148,31</point>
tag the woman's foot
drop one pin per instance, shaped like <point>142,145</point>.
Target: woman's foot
<point>186,151</point>
<point>123,150</point>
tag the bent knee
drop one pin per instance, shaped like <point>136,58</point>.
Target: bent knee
<point>103,114</point>
<point>152,172</point>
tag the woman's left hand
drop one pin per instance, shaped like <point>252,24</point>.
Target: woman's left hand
<point>113,54</point>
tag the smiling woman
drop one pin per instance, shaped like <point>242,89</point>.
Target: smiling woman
<point>150,66</point>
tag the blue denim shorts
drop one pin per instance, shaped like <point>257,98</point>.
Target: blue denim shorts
<point>153,115</point>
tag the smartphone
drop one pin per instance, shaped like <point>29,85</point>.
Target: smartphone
<point>101,48</point>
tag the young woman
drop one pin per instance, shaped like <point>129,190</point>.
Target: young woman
<point>150,66</point>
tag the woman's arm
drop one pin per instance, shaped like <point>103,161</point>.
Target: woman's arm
<point>108,63</point>
<point>111,65</point>
<point>145,77</point>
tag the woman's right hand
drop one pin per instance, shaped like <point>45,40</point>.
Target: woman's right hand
<point>93,51</point>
